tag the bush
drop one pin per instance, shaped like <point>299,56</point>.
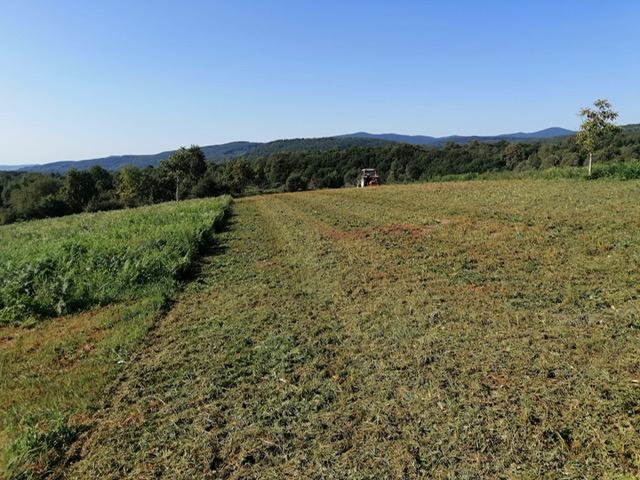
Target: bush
<point>51,206</point>
<point>206,186</point>
<point>622,171</point>
<point>104,202</point>
<point>295,183</point>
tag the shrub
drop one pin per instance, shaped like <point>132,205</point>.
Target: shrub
<point>622,171</point>
<point>295,183</point>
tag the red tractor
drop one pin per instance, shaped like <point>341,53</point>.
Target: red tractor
<point>369,178</point>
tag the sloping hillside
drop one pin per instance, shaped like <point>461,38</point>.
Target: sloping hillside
<point>554,132</point>
<point>216,153</point>
<point>226,151</point>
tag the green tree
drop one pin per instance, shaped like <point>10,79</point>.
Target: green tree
<point>237,174</point>
<point>513,155</point>
<point>207,185</point>
<point>548,155</point>
<point>278,169</point>
<point>132,186</point>
<point>79,188</point>
<point>185,166</point>
<point>102,178</point>
<point>351,176</point>
<point>28,200</point>
<point>596,125</point>
<point>295,183</point>
<point>393,175</point>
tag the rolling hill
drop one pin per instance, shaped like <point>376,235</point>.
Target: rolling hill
<point>11,168</point>
<point>215,153</point>
<point>547,133</point>
<point>226,151</point>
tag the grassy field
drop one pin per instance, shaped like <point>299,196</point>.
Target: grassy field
<point>458,330</point>
<point>123,266</point>
<point>57,266</point>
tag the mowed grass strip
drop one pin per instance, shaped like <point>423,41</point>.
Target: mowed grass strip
<point>56,372</point>
<point>461,330</point>
<point>59,266</point>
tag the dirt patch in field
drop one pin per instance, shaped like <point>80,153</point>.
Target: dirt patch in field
<point>7,337</point>
<point>57,329</point>
<point>390,230</point>
<point>69,359</point>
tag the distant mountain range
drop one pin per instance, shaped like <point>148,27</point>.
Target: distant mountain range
<point>10,168</point>
<point>226,151</point>
<point>215,153</point>
<point>547,133</point>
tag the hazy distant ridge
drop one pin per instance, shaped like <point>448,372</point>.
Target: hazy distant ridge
<point>226,151</point>
<point>552,132</point>
<point>215,153</point>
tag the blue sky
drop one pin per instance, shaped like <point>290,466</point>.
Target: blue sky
<point>84,79</point>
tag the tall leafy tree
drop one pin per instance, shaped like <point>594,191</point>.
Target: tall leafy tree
<point>132,186</point>
<point>295,183</point>
<point>237,174</point>
<point>513,155</point>
<point>79,187</point>
<point>185,166</point>
<point>102,178</point>
<point>27,200</point>
<point>597,123</point>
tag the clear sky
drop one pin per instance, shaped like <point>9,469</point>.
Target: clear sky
<point>82,79</point>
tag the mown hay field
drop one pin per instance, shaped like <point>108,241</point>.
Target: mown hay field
<point>115,271</point>
<point>458,330</point>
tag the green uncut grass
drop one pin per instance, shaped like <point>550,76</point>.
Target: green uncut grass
<point>58,266</point>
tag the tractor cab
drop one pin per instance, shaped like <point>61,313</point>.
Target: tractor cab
<point>368,178</point>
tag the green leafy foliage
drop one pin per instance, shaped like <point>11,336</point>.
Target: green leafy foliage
<point>53,267</point>
<point>596,125</point>
<point>295,183</point>
<point>185,167</point>
<point>79,188</point>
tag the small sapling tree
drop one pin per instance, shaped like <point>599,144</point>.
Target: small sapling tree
<point>596,124</point>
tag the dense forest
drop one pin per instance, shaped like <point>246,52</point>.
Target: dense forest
<point>188,174</point>
<point>214,153</point>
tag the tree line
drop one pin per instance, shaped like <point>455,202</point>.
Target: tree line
<point>188,174</point>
